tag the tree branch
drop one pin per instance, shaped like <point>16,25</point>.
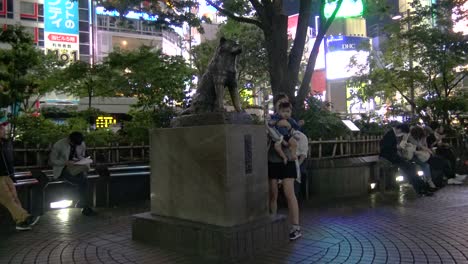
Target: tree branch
<point>402,94</point>
<point>297,50</point>
<point>463,75</point>
<point>234,16</point>
<point>332,18</point>
<point>258,7</point>
<point>304,89</point>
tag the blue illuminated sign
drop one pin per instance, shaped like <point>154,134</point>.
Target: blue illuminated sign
<point>61,16</point>
<point>130,15</point>
<point>336,43</point>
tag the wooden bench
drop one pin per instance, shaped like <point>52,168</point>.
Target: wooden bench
<point>108,185</point>
<point>123,184</point>
<point>25,185</point>
<point>383,173</point>
<point>59,189</point>
<point>348,177</point>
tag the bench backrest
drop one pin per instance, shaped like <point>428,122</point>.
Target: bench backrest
<point>129,171</point>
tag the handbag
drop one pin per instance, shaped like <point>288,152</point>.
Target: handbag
<point>422,155</point>
<point>407,151</point>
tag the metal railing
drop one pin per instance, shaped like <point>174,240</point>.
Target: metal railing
<point>344,147</point>
<point>27,157</point>
<point>37,157</point>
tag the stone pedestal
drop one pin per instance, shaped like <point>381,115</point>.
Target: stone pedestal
<point>209,188</point>
<point>211,242</point>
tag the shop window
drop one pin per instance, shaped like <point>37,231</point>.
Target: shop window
<point>84,26</point>
<point>28,10</point>
<point>84,49</point>
<point>40,12</point>
<point>83,4</point>
<point>84,15</point>
<point>84,37</point>
<point>41,34</point>
<point>2,7</point>
<point>9,8</point>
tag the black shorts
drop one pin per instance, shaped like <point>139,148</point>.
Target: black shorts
<point>280,171</point>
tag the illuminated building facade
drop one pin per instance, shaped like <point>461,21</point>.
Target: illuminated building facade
<point>76,30</point>
<point>344,37</point>
<point>52,22</point>
<point>109,34</point>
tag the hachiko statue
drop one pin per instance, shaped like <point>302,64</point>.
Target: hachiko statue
<point>221,73</point>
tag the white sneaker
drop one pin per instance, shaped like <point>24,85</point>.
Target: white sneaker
<point>454,181</point>
<point>295,233</point>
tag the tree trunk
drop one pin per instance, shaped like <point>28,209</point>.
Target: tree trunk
<point>304,90</point>
<point>275,30</point>
<point>324,25</point>
<point>297,51</point>
<point>90,97</point>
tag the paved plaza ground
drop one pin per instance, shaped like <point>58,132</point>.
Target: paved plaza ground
<point>391,228</point>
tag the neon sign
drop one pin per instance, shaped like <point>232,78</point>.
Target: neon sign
<point>105,121</point>
<point>130,15</point>
<point>349,8</point>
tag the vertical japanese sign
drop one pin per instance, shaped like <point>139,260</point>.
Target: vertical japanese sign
<point>61,29</point>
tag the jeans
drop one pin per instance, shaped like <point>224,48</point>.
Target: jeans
<point>426,168</point>
<point>78,176</point>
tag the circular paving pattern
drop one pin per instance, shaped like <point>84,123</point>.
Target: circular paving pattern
<point>395,228</point>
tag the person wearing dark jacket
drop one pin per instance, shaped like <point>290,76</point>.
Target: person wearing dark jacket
<point>8,195</point>
<point>389,151</point>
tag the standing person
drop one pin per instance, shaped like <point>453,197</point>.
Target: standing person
<point>389,150</point>
<point>8,195</point>
<point>277,170</point>
<point>63,157</point>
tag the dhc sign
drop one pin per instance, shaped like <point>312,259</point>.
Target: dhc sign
<point>339,51</point>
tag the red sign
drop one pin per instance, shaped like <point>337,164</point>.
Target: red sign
<point>63,38</point>
<point>292,26</point>
<point>318,82</point>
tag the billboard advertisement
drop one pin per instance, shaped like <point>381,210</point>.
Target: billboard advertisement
<point>338,54</point>
<point>61,29</point>
<point>292,26</point>
<point>320,62</point>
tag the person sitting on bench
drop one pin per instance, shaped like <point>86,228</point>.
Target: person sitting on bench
<point>389,150</point>
<point>63,158</point>
<point>8,195</point>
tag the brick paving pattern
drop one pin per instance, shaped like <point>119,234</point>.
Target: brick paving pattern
<point>391,228</point>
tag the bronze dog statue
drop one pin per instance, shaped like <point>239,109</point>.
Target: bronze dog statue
<point>221,73</point>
